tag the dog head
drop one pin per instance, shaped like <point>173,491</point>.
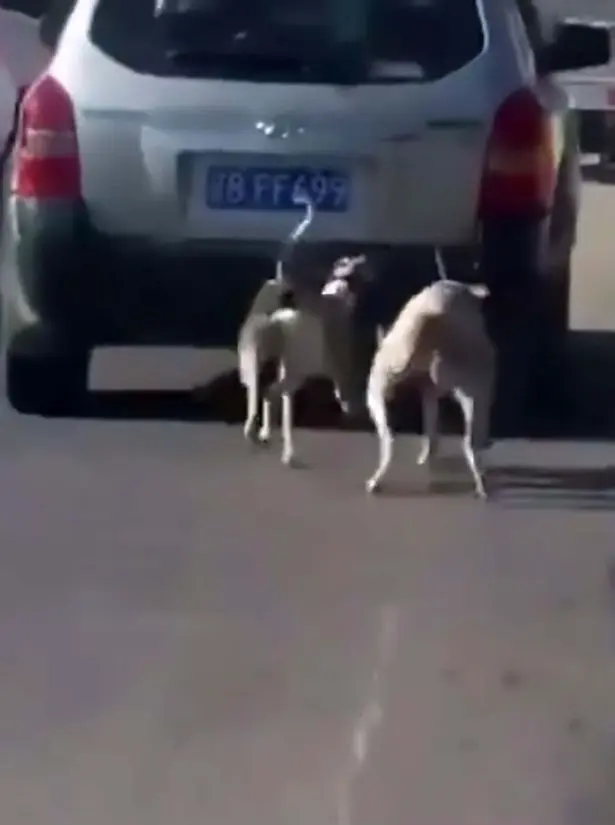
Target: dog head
<point>349,276</point>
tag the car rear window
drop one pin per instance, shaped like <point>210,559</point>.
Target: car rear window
<point>309,41</point>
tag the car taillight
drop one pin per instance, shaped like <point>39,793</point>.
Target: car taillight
<point>519,174</point>
<point>46,158</point>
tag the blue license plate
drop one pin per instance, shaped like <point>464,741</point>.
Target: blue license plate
<point>272,190</point>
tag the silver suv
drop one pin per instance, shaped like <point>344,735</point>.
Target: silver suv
<point>155,164</point>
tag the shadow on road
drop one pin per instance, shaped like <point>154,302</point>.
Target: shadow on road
<point>587,488</point>
<point>579,403</point>
<point>519,487</point>
<point>223,400</point>
<point>148,406</point>
<point>555,488</point>
<point>575,479</point>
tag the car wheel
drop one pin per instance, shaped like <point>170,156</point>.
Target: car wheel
<point>47,385</point>
<point>554,398</point>
<point>557,303</point>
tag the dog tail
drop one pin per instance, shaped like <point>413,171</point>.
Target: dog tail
<point>300,199</point>
<point>442,273</point>
<point>477,290</point>
<point>267,299</point>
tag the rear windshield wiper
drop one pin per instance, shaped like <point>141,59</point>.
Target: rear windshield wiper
<point>339,69</point>
<point>236,63</point>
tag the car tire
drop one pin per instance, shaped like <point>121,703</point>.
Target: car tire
<point>49,385</point>
<point>557,302</point>
<point>554,398</point>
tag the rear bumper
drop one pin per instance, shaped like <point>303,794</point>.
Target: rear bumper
<point>112,290</point>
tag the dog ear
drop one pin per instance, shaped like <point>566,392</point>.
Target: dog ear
<point>336,287</point>
<point>346,267</point>
<point>479,290</point>
<point>341,268</point>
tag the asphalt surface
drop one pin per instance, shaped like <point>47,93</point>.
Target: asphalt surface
<point>191,633</point>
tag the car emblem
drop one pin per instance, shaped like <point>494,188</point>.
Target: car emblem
<point>280,129</point>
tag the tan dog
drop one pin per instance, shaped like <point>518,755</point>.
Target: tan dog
<point>316,338</point>
<point>439,338</point>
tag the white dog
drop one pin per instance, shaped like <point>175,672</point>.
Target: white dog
<point>439,338</point>
<point>316,338</point>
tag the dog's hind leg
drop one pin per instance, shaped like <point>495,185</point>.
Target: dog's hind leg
<point>264,434</point>
<point>430,441</point>
<point>249,378</point>
<point>288,443</point>
<point>285,389</point>
<point>270,375</point>
<point>251,423</point>
<point>475,416</point>
<point>270,396</point>
<point>377,408</point>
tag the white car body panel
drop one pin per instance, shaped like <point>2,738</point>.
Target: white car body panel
<point>415,150</point>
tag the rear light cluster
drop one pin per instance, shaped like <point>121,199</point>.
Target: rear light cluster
<point>519,176</point>
<point>46,155</point>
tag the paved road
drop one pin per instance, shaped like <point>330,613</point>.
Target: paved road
<point>191,634</point>
<point>593,294</point>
